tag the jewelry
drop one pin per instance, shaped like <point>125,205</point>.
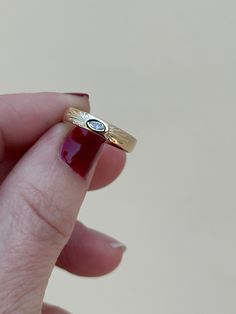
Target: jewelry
<point>112,135</point>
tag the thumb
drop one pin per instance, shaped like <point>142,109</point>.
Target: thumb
<point>39,203</point>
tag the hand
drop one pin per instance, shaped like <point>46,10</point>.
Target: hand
<point>40,196</point>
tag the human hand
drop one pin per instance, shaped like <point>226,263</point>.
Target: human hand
<point>40,196</point>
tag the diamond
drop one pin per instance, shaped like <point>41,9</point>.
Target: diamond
<point>96,125</point>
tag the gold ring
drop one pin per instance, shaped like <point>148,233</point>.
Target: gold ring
<point>111,134</point>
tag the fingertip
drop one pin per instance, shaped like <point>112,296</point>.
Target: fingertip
<point>83,100</point>
<point>109,167</point>
<point>52,309</point>
<point>91,253</point>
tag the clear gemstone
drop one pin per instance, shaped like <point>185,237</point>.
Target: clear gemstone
<point>96,125</point>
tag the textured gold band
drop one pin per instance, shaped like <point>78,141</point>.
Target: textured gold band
<point>109,132</point>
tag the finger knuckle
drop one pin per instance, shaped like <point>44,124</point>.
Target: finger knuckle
<point>44,212</point>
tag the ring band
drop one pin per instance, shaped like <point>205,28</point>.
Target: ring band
<point>112,134</point>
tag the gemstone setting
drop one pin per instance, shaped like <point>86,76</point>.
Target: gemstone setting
<point>96,125</point>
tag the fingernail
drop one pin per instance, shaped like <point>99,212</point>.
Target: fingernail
<point>78,94</point>
<point>80,150</point>
<point>117,244</point>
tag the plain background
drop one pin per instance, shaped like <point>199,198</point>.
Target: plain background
<point>165,71</point>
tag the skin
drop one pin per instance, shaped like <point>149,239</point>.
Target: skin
<point>40,197</point>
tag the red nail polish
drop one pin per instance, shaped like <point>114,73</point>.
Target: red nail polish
<point>80,149</point>
<point>79,94</point>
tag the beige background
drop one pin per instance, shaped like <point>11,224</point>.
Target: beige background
<point>164,70</point>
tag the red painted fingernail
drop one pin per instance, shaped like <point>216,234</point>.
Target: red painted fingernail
<point>79,94</point>
<point>80,150</point>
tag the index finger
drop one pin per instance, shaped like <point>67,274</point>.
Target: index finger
<point>25,117</point>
